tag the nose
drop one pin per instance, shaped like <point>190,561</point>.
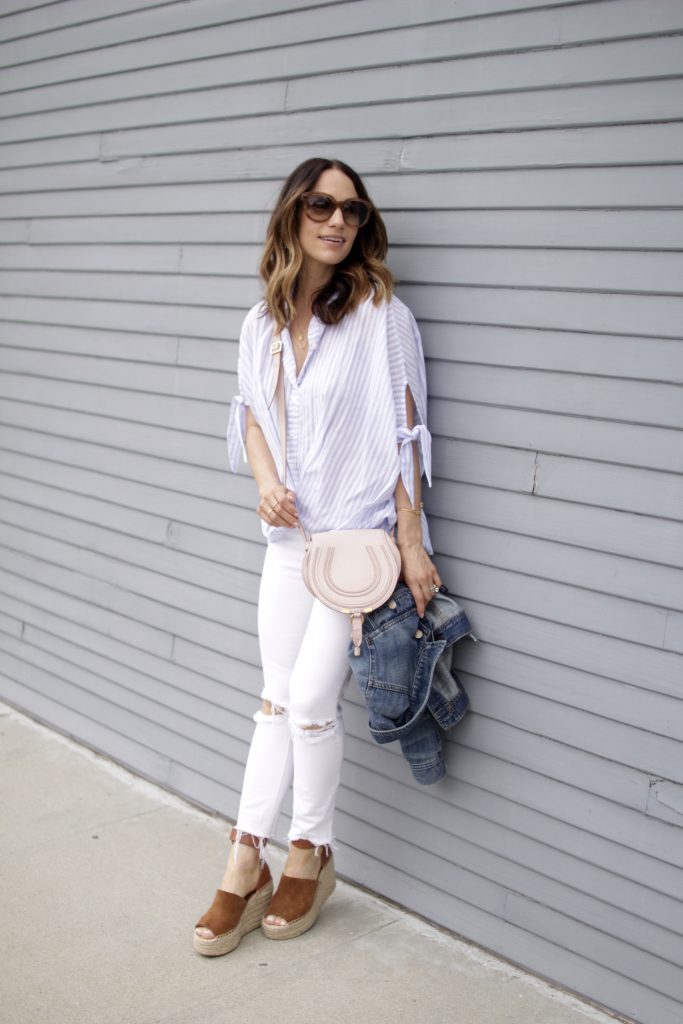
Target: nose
<point>336,218</point>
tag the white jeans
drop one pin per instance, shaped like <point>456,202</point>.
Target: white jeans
<point>304,649</point>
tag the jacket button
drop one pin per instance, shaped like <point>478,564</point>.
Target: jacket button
<point>391,604</point>
<point>418,635</point>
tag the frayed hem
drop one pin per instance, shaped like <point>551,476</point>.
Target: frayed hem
<point>258,842</point>
<point>328,845</point>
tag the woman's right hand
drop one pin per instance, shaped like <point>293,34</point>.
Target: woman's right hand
<point>277,506</point>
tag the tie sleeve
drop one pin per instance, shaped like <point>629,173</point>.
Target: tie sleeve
<point>237,427</point>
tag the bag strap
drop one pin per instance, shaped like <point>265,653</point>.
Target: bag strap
<point>277,391</point>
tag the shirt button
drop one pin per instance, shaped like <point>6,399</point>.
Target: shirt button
<point>418,635</point>
<point>391,604</point>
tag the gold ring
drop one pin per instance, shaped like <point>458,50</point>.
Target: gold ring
<point>434,589</point>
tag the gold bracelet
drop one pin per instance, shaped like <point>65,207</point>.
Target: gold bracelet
<point>415,511</point>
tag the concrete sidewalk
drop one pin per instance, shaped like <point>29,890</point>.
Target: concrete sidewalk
<point>104,874</point>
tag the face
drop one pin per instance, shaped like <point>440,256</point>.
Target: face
<point>327,243</point>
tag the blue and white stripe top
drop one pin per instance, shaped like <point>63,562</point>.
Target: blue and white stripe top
<point>347,432</point>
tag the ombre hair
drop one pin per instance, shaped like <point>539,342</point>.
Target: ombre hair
<point>363,272</point>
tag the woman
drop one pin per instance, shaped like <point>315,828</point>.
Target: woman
<point>356,447</point>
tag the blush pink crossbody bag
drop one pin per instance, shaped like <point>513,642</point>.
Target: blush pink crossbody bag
<point>351,571</point>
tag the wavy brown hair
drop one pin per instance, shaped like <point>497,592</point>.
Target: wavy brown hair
<point>362,273</point>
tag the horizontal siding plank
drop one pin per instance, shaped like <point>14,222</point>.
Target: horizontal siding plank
<point>13,627</point>
<point>140,481</point>
<point>146,27</point>
<point>607,530</point>
<point>250,100</point>
<point>28,166</point>
<point>152,701</point>
<point>18,584</point>
<point>103,511</point>
<point>570,269</point>
<point>560,761</point>
<point>182,601</point>
<point>140,317</point>
<point>35,608</point>
<point>618,443</point>
<point>596,571</point>
<point>609,988</point>
<point>96,734</point>
<point>26,20</point>
<point>199,416</point>
<point>218,576</point>
<point>562,187</point>
<point>552,67</point>
<point>565,351</point>
<point>655,670</point>
<point>564,603</point>
<point>584,229</point>
<point>605,61</point>
<point>145,586</point>
<point>159,737</point>
<point>163,619</point>
<point>574,395</point>
<point>183,382</point>
<point>653,713</point>
<point>613,953</point>
<point>520,30</point>
<point>644,491</point>
<point>650,752</point>
<point>631,704</point>
<point>564,644</point>
<point>589,105</point>
<point>657,316</point>
<point>560,393</point>
<point>516,878</point>
<point>82,643</point>
<point>105,344</point>
<point>585,810</point>
<point>638,272</point>
<point>523,836</point>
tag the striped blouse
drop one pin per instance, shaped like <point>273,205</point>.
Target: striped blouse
<point>347,432</point>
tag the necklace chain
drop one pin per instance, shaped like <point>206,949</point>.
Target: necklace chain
<point>301,341</point>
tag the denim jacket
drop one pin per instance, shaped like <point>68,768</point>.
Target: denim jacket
<point>405,674</point>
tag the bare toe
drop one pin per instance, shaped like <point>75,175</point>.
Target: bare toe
<point>279,921</point>
<point>204,933</point>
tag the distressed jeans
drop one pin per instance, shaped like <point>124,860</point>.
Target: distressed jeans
<point>304,648</point>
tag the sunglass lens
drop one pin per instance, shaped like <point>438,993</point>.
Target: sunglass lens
<point>355,213</point>
<point>319,207</point>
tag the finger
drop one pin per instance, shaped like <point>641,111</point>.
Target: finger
<point>418,598</point>
<point>288,508</point>
<point>287,514</point>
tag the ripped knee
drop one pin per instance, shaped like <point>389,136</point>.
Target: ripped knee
<point>268,708</point>
<point>314,731</point>
<point>271,713</point>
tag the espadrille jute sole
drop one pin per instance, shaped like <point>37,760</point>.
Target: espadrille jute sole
<point>326,882</point>
<point>257,904</point>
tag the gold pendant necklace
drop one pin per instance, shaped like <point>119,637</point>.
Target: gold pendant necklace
<point>300,340</point>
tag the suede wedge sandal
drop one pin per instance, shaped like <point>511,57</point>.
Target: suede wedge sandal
<point>298,901</point>
<point>231,916</point>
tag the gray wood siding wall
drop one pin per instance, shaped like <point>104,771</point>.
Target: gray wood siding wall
<point>527,156</point>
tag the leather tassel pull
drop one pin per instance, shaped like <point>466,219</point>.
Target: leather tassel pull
<point>356,631</point>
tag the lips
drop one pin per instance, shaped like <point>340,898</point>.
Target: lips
<point>332,239</point>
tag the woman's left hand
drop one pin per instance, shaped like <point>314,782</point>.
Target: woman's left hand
<point>420,574</point>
